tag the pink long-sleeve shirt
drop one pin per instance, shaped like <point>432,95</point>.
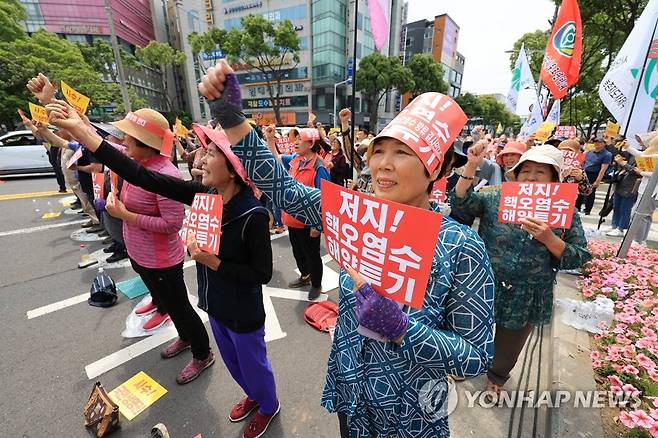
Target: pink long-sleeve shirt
<point>152,240</point>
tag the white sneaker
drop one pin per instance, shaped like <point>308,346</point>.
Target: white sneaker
<point>615,233</point>
<point>643,243</point>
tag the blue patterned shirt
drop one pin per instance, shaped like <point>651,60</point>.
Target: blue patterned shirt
<point>381,386</point>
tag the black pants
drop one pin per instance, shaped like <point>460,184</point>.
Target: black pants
<point>508,344</point>
<point>306,250</point>
<point>56,162</point>
<point>169,294</point>
<point>589,199</point>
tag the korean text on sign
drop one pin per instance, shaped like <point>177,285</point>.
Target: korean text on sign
<point>380,240</point>
<point>99,184</point>
<point>38,113</point>
<point>439,190</point>
<point>573,159</point>
<point>285,146</point>
<point>136,394</point>
<point>646,164</point>
<point>565,131</point>
<point>204,218</point>
<point>552,203</point>
<point>77,100</point>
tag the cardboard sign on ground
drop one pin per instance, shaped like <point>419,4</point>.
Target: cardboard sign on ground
<point>136,394</point>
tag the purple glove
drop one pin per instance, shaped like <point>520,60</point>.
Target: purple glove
<point>74,145</point>
<point>379,314</point>
<point>99,204</point>
<point>227,110</point>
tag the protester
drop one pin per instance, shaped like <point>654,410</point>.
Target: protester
<point>595,166</point>
<point>509,156</point>
<point>575,174</point>
<point>337,164</point>
<point>625,179</point>
<point>374,386</point>
<point>525,258</point>
<point>55,158</point>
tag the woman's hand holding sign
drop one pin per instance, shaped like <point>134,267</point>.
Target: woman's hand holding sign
<point>199,255</point>
<point>377,313</point>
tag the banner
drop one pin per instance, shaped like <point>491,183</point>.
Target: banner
<point>77,100</point>
<point>573,159</point>
<point>379,27</point>
<point>544,131</point>
<point>565,131</point>
<point>629,97</point>
<point>521,79</point>
<point>646,164</point>
<point>554,113</point>
<point>552,203</point>
<point>535,119</point>
<point>38,113</point>
<point>439,190</point>
<point>99,184</point>
<point>611,129</point>
<point>561,65</point>
<point>74,158</point>
<point>205,219</point>
<point>381,240</point>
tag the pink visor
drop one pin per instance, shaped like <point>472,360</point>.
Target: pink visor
<point>309,134</point>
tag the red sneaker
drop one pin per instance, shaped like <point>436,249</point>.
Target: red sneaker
<point>146,309</point>
<point>174,349</point>
<point>157,320</point>
<point>242,409</point>
<point>194,368</point>
<point>259,424</point>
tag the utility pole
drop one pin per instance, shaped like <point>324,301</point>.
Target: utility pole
<point>117,58</point>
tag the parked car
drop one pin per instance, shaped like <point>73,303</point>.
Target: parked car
<point>20,152</point>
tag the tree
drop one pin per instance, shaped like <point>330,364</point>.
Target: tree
<point>22,58</point>
<point>100,57</point>
<point>263,47</point>
<point>470,104</point>
<point>161,55</point>
<point>378,74</point>
<point>206,42</point>
<point>12,14</point>
<point>427,75</point>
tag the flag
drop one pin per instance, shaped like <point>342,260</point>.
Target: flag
<point>629,97</point>
<point>561,65</point>
<point>554,114</point>
<point>377,10</point>
<point>534,120</point>
<point>521,79</point>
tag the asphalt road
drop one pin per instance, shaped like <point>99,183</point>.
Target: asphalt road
<point>44,383</point>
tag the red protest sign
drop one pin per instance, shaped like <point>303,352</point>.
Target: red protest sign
<point>114,181</point>
<point>74,158</point>
<point>99,184</point>
<point>284,145</point>
<point>573,159</point>
<point>205,219</point>
<point>439,190</point>
<point>552,203</point>
<point>380,240</point>
<point>565,131</point>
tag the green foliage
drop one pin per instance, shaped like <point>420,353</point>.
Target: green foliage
<point>100,57</point>
<point>12,13</point>
<point>161,55</point>
<point>489,109</point>
<point>59,59</point>
<point>377,74</point>
<point>427,75</point>
<point>136,101</point>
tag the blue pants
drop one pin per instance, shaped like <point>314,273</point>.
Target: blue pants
<point>621,214</point>
<point>276,212</point>
<point>245,357</point>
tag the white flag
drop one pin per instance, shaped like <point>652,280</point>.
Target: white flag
<point>554,114</point>
<point>521,79</point>
<point>632,107</point>
<point>534,120</point>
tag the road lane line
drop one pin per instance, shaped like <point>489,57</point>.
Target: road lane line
<point>40,228</point>
<point>57,306</point>
<point>29,195</point>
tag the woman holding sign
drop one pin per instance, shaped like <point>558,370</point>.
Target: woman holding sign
<point>230,283</point>
<point>525,258</point>
<point>381,388</point>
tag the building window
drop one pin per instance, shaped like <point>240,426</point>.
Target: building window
<point>193,21</point>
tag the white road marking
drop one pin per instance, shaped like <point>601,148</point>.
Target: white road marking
<point>40,228</point>
<point>291,294</point>
<point>59,305</point>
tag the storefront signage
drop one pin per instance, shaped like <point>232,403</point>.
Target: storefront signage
<point>234,9</point>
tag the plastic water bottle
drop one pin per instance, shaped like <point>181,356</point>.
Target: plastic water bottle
<point>84,254</point>
<point>586,315</point>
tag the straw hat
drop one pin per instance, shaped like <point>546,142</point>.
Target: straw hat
<point>146,136</point>
<point>571,144</point>
<point>545,154</point>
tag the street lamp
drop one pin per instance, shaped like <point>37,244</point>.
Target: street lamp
<point>335,88</point>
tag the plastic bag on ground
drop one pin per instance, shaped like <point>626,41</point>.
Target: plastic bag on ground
<point>135,323</point>
<point>587,315</point>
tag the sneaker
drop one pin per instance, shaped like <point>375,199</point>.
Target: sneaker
<point>146,309</point>
<point>107,241</point>
<point>259,424</point>
<point>615,233</point>
<point>300,282</point>
<point>314,293</point>
<point>117,256</point>
<point>104,233</point>
<point>87,224</point>
<point>174,349</point>
<point>194,368</point>
<point>62,190</point>
<point>159,431</point>
<point>242,409</point>
<point>156,321</point>
<point>279,230</point>
<point>110,249</point>
<point>98,228</point>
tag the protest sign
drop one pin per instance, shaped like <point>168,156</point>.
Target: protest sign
<point>74,158</point>
<point>380,239</point>
<point>284,145</point>
<point>439,190</point>
<point>77,100</point>
<point>573,159</point>
<point>589,147</point>
<point>565,131</point>
<point>646,164</point>
<point>204,218</point>
<point>99,185</point>
<point>136,394</point>
<point>544,131</point>
<point>114,182</point>
<point>179,129</point>
<point>38,113</point>
<point>611,130</point>
<point>552,203</point>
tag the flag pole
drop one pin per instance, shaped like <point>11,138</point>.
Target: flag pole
<point>354,146</point>
<point>643,205</point>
